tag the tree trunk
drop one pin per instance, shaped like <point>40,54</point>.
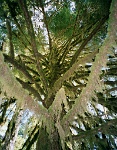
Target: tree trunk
<point>48,142</point>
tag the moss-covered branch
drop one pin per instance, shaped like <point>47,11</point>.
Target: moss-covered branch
<point>46,24</point>
<point>68,74</point>
<point>9,30</point>
<point>23,69</point>
<point>14,89</point>
<point>33,91</point>
<point>80,105</point>
<point>94,31</point>
<point>104,128</point>
<point>29,25</point>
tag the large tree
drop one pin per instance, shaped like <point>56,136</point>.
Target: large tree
<point>53,62</point>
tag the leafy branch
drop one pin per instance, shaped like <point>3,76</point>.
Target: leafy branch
<point>14,89</point>
<point>80,105</point>
<point>104,127</point>
<point>33,41</point>
<point>23,69</point>
<point>58,84</point>
<point>94,31</point>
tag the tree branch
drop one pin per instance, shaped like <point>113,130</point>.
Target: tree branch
<point>102,128</point>
<point>80,106</point>
<point>33,42</point>
<point>95,30</point>
<point>9,30</point>
<point>46,24</point>
<point>23,69</point>
<point>58,84</point>
<point>26,86</point>
<point>14,89</point>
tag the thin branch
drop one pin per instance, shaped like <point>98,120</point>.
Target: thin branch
<point>21,31</point>
<point>95,30</point>
<point>58,84</point>
<point>70,44</point>
<point>23,69</point>
<point>16,127</point>
<point>33,42</point>
<point>46,24</point>
<point>26,86</point>
<point>22,41</point>
<point>9,30</point>
<point>31,136</point>
<point>28,58</point>
<point>112,89</point>
<point>14,14</point>
<point>104,128</point>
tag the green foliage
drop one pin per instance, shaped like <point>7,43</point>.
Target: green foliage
<point>62,22</point>
<point>65,20</point>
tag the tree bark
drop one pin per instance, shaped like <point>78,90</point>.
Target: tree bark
<point>48,142</point>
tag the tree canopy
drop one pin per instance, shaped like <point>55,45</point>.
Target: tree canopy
<point>58,80</point>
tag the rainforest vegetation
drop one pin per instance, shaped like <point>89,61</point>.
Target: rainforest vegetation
<point>58,74</point>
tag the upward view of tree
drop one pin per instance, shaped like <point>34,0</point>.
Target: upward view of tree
<point>58,79</point>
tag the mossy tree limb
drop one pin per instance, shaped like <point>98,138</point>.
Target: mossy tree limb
<point>80,106</point>
<point>14,89</point>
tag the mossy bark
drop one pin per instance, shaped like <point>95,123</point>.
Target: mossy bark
<point>48,142</point>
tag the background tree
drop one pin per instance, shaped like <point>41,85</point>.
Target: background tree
<point>56,54</point>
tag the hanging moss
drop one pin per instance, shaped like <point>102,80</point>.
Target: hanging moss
<point>80,105</point>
